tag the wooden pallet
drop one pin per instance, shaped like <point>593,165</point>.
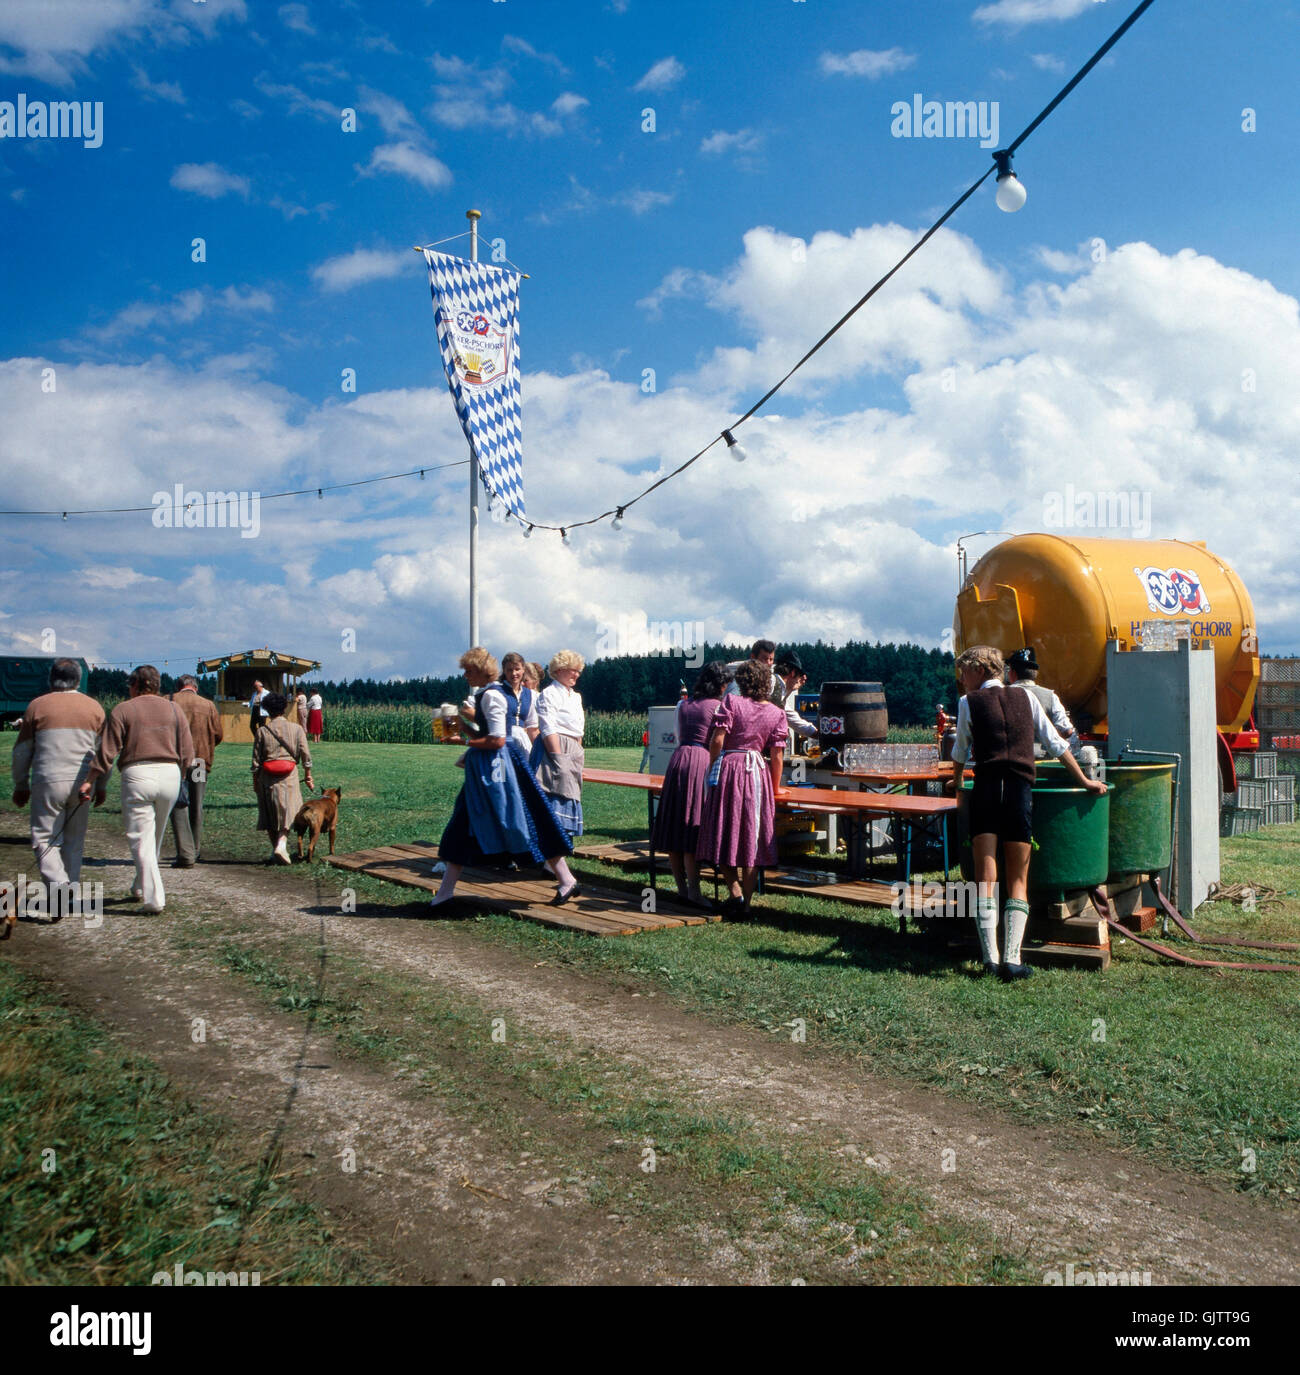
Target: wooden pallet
<point>790,881</point>
<point>596,911</point>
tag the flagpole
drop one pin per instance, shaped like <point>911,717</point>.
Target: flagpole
<point>473,217</point>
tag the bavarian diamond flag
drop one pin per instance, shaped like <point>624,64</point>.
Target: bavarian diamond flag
<point>476,307</point>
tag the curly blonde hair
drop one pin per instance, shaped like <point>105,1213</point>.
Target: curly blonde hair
<point>566,658</point>
<point>982,657</point>
<point>478,658</point>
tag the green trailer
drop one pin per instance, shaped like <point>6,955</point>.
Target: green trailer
<point>22,679</point>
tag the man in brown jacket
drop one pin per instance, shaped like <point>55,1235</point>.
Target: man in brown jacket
<point>206,732</point>
<point>150,739</point>
<point>52,756</point>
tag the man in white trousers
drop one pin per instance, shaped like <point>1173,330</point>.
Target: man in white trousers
<point>56,743</point>
<point>150,739</point>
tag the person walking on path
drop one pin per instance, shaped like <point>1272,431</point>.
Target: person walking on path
<point>206,731</point>
<point>278,750</point>
<point>501,813</point>
<point>557,756</point>
<point>56,742</point>
<point>149,737</point>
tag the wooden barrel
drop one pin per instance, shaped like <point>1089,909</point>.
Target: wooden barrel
<point>852,714</point>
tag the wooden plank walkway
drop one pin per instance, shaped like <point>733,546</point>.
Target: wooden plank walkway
<point>596,911</point>
<point>810,883</point>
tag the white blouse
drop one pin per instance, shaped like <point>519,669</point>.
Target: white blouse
<point>559,711</point>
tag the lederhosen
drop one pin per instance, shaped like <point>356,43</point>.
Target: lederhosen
<point>1002,742</point>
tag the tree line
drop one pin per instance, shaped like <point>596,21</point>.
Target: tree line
<point>914,679</point>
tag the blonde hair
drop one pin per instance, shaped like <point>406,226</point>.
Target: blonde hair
<point>983,657</point>
<point>566,658</point>
<point>533,673</point>
<point>478,658</point>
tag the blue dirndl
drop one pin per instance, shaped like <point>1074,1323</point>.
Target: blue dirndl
<point>501,813</point>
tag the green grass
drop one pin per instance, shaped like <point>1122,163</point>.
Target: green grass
<point>1194,1067</point>
<point>592,1116</point>
<point>108,1175</point>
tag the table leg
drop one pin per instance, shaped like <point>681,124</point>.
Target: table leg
<point>650,813</point>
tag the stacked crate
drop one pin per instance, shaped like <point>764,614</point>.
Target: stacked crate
<point>1277,702</point>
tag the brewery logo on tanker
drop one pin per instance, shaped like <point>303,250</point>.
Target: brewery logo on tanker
<point>832,725</point>
<point>481,348</point>
<point>1173,591</point>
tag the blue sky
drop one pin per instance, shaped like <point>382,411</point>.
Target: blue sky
<point>669,250</point>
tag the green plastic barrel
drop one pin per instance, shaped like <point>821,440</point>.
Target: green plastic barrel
<point>1071,840</point>
<point>1141,805</point>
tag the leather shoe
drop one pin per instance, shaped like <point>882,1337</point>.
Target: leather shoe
<point>1015,971</point>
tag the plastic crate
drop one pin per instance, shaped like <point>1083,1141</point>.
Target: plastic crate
<point>1279,670</point>
<point>1239,821</point>
<point>1279,813</point>
<point>1278,694</point>
<point>1275,718</point>
<point>1281,789</point>
<point>1251,792</point>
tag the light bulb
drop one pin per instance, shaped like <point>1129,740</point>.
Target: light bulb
<point>736,450</point>
<point>528,532</point>
<point>1011,195</point>
<point>617,522</point>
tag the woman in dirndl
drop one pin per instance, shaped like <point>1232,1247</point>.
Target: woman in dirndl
<point>278,750</point>
<point>681,803</point>
<point>738,825</point>
<point>501,814</point>
<point>557,756</point>
<point>521,709</point>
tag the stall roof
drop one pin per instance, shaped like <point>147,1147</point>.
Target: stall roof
<point>260,658</point>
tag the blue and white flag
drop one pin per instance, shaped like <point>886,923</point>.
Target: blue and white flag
<point>476,307</point>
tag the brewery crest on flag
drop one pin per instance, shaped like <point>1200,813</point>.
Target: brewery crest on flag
<point>476,308</point>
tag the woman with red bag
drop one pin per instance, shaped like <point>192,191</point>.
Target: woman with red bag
<point>278,750</point>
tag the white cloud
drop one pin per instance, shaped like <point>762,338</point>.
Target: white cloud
<point>568,103</point>
<point>1019,12</point>
<point>295,17</point>
<point>406,160</point>
<point>181,310</point>
<point>360,266</point>
<point>1127,376</point>
<point>208,179</point>
<point>394,118</point>
<point>470,97</point>
<point>665,73</point>
<point>742,141</point>
<point>1047,62</point>
<point>297,100</point>
<point>866,62</point>
<point>118,579</point>
<point>520,47</point>
<point>157,90</point>
<point>53,39</point>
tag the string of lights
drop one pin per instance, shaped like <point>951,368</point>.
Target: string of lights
<point>1011,196</point>
<point>262,496</point>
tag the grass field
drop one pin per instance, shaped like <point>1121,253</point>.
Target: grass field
<point>1190,1068</point>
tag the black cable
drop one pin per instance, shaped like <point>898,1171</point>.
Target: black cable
<point>853,310</point>
<point>270,496</point>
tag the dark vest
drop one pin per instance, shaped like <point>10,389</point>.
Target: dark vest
<point>1002,729</point>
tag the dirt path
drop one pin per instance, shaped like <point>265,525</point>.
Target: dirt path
<point>1051,1192</point>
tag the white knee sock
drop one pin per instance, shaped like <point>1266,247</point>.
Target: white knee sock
<point>986,924</point>
<point>1017,916</point>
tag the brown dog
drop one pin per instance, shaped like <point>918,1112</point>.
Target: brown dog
<point>320,814</point>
